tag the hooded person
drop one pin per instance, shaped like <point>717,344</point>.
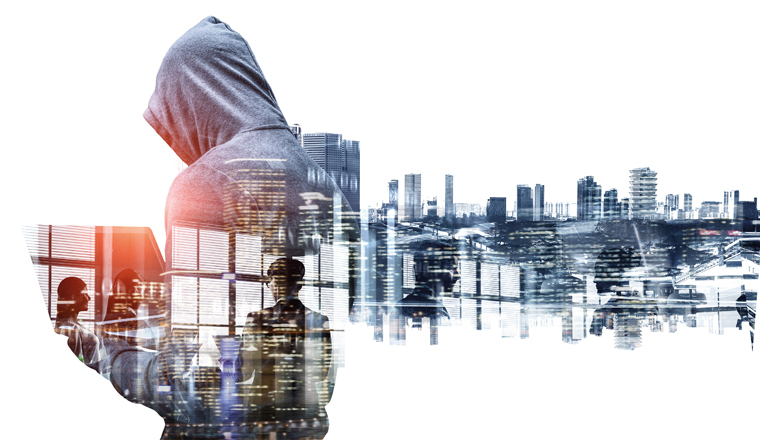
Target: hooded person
<point>247,174</point>
<point>246,171</point>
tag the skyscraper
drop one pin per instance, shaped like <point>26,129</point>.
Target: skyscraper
<point>496,209</point>
<point>524,203</point>
<point>687,202</point>
<point>449,201</point>
<point>339,158</point>
<point>671,206</point>
<point>538,203</point>
<point>412,197</point>
<point>730,198</point>
<point>643,193</point>
<point>589,199</point>
<point>611,209</point>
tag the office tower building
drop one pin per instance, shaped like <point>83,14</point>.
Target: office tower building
<point>687,202</point>
<point>729,202</point>
<point>412,197</point>
<point>611,209</point>
<point>709,210</point>
<point>496,209</point>
<point>538,203</point>
<point>589,199</point>
<point>351,176</point>
<point>643,193</point>
<point>296,130</point>
<point>746,210</point>
<point>524,203</point>
<point>339,158</point>
<point>671,206</point>
<point>449,201</point>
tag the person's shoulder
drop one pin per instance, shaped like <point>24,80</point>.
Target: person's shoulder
<point>315,316</point>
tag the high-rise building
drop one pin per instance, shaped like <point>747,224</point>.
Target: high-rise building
<point>524,203</point>
<point>611,209</point>
<point>671,206</point>
<point>687,202</point>
<point>730,199</point>
<point>340,158</point>
<point>393,192</point>
<point>746,210</point>
<point>496,209</point>
<point>589,199</point>
<point>538,203</point>
<point>412,197</point>
<point>643,193</point>
<point>449,201</point>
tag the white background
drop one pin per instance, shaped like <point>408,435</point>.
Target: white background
<point>497,94</point>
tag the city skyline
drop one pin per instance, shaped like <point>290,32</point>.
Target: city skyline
<point>495,95</point>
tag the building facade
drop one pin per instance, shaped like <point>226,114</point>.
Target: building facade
<point>643,193</point>
<point>449,201</point>
<point>538,203</point>
<point>340,158</point>
<point>496,209</point>
<point>412,197</point>
<point>589,199</point>
<point>524,206</point>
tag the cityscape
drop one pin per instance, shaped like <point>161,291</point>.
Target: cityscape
<point>523,220</point>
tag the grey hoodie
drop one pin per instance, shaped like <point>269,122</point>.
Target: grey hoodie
<point>247,173</point>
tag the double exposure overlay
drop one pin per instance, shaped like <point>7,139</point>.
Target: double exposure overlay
<point>235,328</point>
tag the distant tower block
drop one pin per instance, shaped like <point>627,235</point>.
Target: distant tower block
<point>449,201</point>
<point>643,193</point>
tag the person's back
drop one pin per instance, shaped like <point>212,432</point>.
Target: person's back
<point>247,173</point>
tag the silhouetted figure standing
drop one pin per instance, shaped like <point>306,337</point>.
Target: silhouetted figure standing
<point>287,352</point>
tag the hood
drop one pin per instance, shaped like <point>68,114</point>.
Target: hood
<point>209,89</point>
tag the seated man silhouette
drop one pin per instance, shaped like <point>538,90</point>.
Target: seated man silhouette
<point>287,353</point>
<point>72,299</point>
<point>435,271</point>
